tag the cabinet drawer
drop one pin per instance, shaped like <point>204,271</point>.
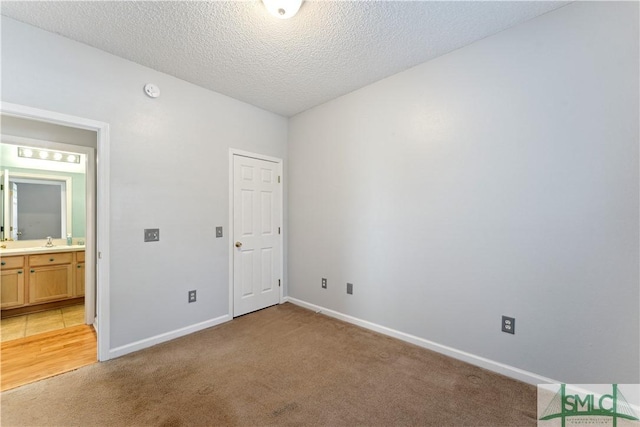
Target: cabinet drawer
<point>51,259</point>
<point>80,256</point>
<point>12,262</point>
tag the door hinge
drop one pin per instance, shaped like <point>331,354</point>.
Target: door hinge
<point>278,230</point>
<point>278,179</point>
<point>278,282</point>
<point>2,186</point>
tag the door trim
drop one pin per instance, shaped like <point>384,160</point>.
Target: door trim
<point>98,231</point>
<point>234,152</point>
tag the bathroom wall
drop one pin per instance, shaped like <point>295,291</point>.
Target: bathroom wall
<point>47,131</point>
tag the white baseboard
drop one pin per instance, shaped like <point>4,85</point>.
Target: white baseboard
<point>491,365</point>
<point>148,342</point>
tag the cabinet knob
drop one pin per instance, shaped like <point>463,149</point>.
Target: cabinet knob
<point>51,259</point>
<point>19,271</point>
<point>79,266</point>
<point>33,271</point>
<point>4,263</point>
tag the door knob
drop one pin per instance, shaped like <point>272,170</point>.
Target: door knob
<point>238,244</point>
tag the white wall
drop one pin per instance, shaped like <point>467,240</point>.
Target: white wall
<point>500,179</point>
<point>169,170</point>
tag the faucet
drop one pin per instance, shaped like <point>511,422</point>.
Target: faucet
<point>49,242</point>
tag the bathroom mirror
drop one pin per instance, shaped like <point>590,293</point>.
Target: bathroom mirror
<point>38,199</point>
<point>36,206</point>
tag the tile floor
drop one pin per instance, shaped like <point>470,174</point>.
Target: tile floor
<point>31,324</point>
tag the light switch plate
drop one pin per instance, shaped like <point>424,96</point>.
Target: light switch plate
<point>350,288</point>
<point>151,234</point>
<point>218,232</point>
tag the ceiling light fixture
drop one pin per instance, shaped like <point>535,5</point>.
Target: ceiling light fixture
<point>57,156</point>
<point>282,9</point>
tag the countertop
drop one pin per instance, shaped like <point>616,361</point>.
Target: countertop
<point>41,250</point>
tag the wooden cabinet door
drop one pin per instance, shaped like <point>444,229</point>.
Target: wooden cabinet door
<point>80,279</point>
<point>12,284</point>
<point>50,283</point>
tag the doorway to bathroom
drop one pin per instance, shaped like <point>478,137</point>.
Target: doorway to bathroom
<point>45,219</point>
<point>79,268</point>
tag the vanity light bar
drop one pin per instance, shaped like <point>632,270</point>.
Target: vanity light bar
<point>56,156</point>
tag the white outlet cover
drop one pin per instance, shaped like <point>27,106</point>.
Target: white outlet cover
<point>152,90</point>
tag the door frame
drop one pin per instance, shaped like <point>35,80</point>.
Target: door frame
<point>234,152</point>
<point>97,262</point>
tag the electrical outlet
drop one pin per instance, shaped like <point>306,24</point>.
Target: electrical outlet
<point>324,283</point>
<point>151,234</point>
<point>218,232</point>
<point>350,288</point>
<point>508,325</point>
<point>192,296</point>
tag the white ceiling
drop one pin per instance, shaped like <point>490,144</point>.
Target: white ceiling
<point>286,66</point>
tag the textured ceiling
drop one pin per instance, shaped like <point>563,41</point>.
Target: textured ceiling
<point>286,66</point>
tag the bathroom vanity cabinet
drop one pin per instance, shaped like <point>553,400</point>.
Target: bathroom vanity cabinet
<point>33,282</point>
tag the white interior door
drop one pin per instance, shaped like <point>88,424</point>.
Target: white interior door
<point>257,251</point>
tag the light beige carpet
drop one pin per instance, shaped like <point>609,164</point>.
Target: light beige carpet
<point>280,366</point>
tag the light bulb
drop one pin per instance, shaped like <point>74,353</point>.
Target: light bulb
<point>57,156</point>
<point>71,158</point>
<point>27,152</point>
<point>43,155</point>
<point>282,9</point>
